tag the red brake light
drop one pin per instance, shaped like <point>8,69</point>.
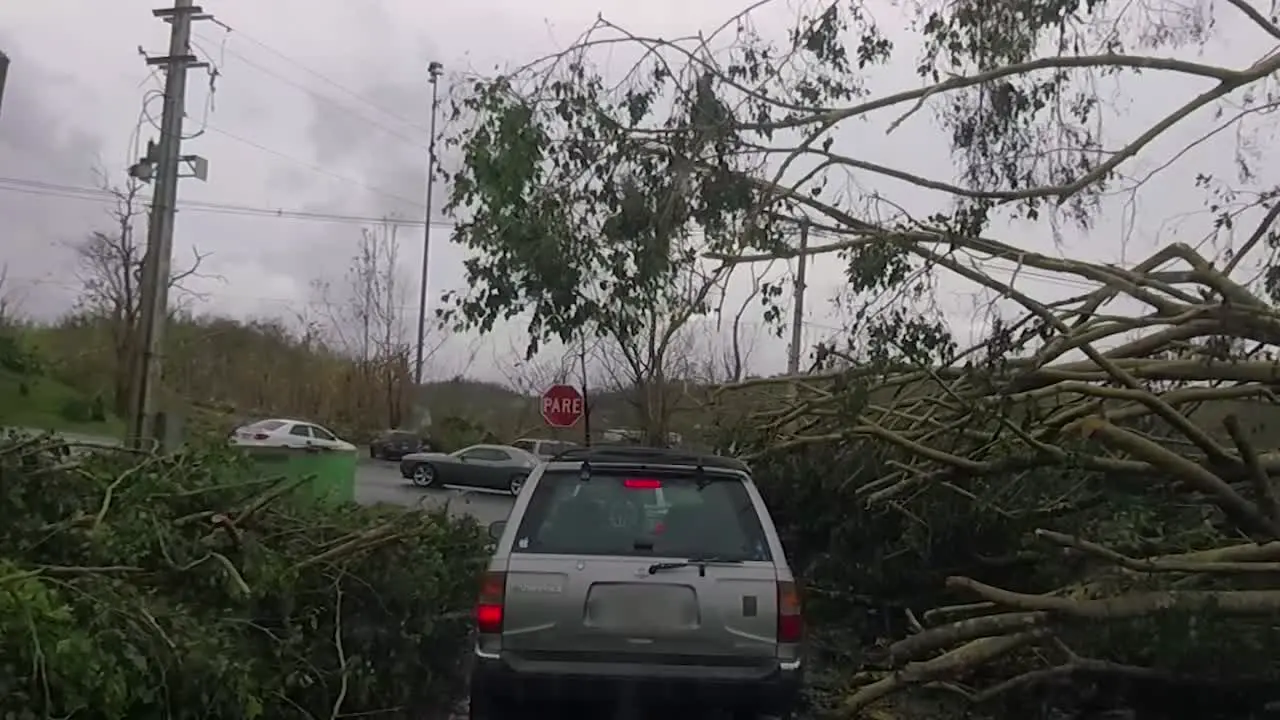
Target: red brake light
<point>493,589</point>
<point>642,483</point>
<point>790,621</point>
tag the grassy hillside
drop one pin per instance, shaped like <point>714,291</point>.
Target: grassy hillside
<point>220,372</point>
<point>30,401</point>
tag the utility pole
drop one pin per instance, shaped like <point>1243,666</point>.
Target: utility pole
<point>797,316</point>
<point>434,71</point>
<point>586,399</point>
<point>162,163</point>
<point>4,72</point>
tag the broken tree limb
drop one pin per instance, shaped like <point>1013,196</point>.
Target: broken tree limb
<point>1243,512</point>
<point>1156,564</point>
<point>1227,602</point>
<point>931,640</point>
<point>948,665</point>
<point>1266,496</point>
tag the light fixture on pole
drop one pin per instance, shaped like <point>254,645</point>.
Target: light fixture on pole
<point>434,71</point>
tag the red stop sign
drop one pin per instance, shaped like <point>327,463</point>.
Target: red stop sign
<point>562,406</point>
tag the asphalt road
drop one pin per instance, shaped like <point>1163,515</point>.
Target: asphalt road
<point>380,482</point>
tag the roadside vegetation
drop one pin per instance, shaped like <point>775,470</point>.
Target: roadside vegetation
<point>1063,504</point>
<point>32,397</point>
<point>186,586</point>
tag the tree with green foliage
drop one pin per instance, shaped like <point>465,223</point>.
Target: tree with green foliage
<point>590,229</point>
<point>1093,493</point>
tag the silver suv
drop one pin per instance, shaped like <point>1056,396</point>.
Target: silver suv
<point>632,575</point>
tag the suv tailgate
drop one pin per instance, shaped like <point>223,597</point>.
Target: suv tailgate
<point>600,568</point>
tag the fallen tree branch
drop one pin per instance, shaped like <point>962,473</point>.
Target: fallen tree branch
<point>1266,496</point>
<point>1240,510</point>
<point>933,639</point>
<point>1157,564</point>
<point>1224,602</point>
<point>948,665</point>
<point>1088,666</point>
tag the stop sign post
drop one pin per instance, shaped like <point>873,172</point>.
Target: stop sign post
<point>562,406</point>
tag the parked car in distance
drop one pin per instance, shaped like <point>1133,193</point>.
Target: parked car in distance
<point>395,444</point>
<point>635,436</point>
<point>495,467</point>
<point>544,449</point>
<point>286,433</point>
<point>634,574</point>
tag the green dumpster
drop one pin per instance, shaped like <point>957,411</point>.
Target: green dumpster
<point>332,473</point>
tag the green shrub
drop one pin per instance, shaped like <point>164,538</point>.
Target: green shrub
<point>97,409</point>
<point>76,410</point>
<point>147,586</point>
<point>15,357</point>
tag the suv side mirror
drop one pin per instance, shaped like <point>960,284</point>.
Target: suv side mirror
<point>496,528</point>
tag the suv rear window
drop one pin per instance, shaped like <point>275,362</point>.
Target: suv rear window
<point>267,425</point>
<point>400,436</point>
<point>642,514</point>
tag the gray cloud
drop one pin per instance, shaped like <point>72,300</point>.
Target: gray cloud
<point>327,115</point>
<point>39,140</point>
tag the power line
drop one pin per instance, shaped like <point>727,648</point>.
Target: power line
<point>408,308</point>
<point>105,197</point>
<point>313,167</point>
<point>206,126</point>
<point>321,96</point>
<point>323,78</point>
<point>282,155</point>
<point>98,195</point>
<point>30,282</point>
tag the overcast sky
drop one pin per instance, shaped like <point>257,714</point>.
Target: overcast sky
<point>321,110</point>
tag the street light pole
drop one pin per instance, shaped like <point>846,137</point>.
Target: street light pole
<point>434,71</point>
<point>4,71</point>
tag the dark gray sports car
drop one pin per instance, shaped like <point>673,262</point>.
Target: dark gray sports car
<point>498,467</point>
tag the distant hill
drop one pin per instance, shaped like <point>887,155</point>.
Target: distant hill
<point>511,414</point>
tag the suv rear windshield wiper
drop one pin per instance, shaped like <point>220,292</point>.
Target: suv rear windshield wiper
<point>700,562</point>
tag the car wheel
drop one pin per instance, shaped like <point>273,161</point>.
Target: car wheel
<point>424,475</point>
<point>515,483</point>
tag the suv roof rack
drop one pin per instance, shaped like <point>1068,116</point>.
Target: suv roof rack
<point>642,454</point>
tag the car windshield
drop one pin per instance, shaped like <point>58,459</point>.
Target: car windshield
<point>679,514</point>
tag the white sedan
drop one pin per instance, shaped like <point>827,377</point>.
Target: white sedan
<point>285,433</point>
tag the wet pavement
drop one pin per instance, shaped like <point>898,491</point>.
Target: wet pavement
<point>378,481</point>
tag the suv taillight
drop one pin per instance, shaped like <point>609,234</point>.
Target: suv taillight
<point>261,436</point>
<point>790,620</point>
<point>493,589</point>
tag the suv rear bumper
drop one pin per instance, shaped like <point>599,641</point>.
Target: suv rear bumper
<point>774,690</point>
